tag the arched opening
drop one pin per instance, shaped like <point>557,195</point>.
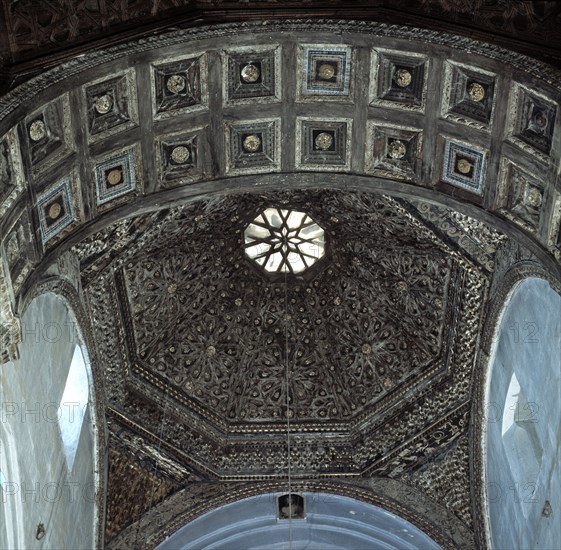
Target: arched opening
<point>330,522</point>
<point>49,460</point>
<point>521,443</point>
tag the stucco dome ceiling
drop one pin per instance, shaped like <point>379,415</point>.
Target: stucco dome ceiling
<point>375,321</point>
<point>131,175</point>
<point>377,341</point>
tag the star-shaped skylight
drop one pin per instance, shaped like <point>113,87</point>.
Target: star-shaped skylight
<point>284,241</point>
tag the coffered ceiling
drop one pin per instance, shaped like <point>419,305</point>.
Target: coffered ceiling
<point>427,162</point>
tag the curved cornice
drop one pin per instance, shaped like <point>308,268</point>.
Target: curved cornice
<point>539,70</point>
<point>394,496</point>
<point>172,198</point>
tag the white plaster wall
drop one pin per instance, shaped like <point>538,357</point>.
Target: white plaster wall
<point>40,488</point>
<point>528,344</point>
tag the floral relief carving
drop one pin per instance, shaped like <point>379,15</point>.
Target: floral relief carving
<point>384,329</point>
<point>206,321</point>
<point>202,354</point>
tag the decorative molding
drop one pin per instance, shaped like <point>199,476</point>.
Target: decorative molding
<point>181,157</point>
<point>520,196</point>
<point>179,85</point>
<point>253,146</point>
<point>10,328</point>
<point>325,71</point>
<point>59,25</point>
<point>188,145</point>
<point>117,175</point>
<point>392,495</point>
<point>213,159</point>
<point>46,136</point>
<point>554,236</point>
<point>251,74</point>
<point>542,72</point>
<point>56,208</point>
<point>469,95</point>
<point>111,105</point>
<point>531,120</point>
<point>19,250</point>
<point>204,447</point>
<point>464,165</point>
<point>478,241</point>
<point>393,151</point>
<point>323,143</point>
<point>398,80</point>
<point>12,180</point>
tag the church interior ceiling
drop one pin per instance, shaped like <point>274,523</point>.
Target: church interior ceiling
<point>379,342</point>
<point>417,165</point>
<point>33,30</point>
